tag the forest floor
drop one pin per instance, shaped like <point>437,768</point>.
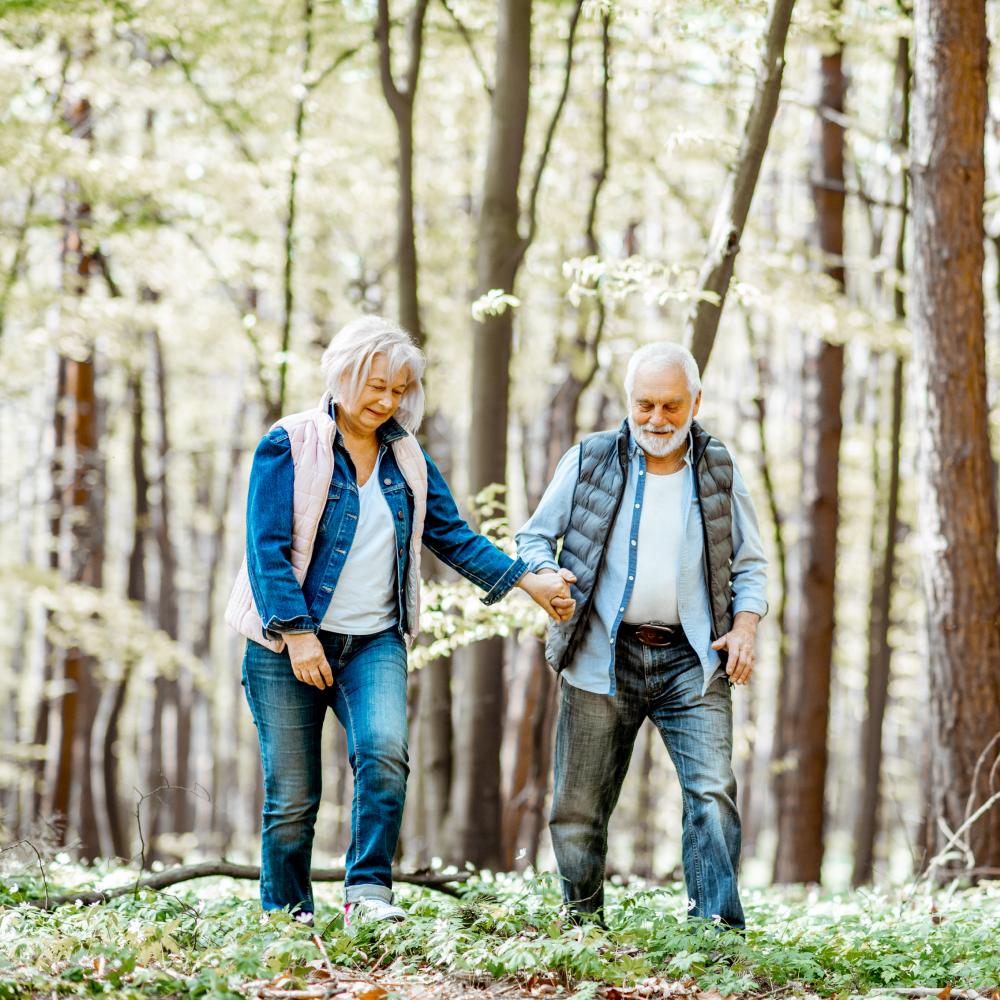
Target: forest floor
<point>504,936</point>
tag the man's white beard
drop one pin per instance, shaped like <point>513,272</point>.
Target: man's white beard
<point>659,445</point>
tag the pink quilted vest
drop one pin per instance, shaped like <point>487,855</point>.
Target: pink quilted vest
<point>311,435</point>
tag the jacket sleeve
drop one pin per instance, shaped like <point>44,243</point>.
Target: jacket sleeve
<point>538,539</point>
<point>452,540</point>
<point>749,568</point>
<point>276,592</point>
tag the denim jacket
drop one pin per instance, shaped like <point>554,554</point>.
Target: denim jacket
<point>283,605</point>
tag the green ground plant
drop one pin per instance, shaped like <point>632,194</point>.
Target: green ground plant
<point>209,937</point>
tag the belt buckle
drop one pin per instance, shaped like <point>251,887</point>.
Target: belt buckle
<point>656,635</point>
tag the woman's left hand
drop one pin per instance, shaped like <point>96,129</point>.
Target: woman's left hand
<point>551,592</point>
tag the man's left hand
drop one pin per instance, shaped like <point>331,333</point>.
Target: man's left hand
<point>739,642</point>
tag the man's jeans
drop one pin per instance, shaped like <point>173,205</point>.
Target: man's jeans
<point>593,746</point>
<point>369,698</point>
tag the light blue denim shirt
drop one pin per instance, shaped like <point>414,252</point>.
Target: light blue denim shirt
<point>593,667</point>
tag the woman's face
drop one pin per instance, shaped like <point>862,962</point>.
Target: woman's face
<point>378,400</point>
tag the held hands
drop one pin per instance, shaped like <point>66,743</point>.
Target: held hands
<point>550,590</point>
<point>308,659</point>
<point>739,642</point>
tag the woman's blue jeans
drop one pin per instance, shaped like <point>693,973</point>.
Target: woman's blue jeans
<point>594,743</point>
<point>369,698</point>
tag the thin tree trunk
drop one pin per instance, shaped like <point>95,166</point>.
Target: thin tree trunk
<point>957,514</point>
<point>642,852</point>
<point>805,683</point>
<point>523,821</point>
<point>57,472</point>
<point>400,101</point>
<point>528,781</point>
<point>580,355</point>
<point>731,216</point>
<point>475,816</point>
<point>167,692</point>
<point>883,578</point>
<point>85,492</point>
<point>435,750</point>
<point>117,815</point>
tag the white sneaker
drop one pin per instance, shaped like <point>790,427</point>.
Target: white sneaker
<point>366,909</point>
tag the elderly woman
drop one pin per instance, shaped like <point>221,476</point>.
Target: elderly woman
<point>340,500</point>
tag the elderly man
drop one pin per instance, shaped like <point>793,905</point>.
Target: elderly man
<point>661,542</point>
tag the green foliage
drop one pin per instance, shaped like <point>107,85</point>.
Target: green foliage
<point>204,943</point>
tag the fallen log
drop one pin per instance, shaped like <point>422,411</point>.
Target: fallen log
<point>206,869</point>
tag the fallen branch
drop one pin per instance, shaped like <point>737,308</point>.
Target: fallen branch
<point>731,216</point>
<point>928,991</point>
<point>184,873</point>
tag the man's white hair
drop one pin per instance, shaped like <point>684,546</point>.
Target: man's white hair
<point>660,356</point>
<point>347,365</point>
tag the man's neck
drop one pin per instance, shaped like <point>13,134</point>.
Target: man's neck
<point>667,465</point>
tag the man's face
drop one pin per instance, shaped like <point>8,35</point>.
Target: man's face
<point>661,406</point>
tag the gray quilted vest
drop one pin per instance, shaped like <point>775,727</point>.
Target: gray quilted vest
<point>596,502</point>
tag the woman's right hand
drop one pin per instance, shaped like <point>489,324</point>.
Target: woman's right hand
<point>309,662</point>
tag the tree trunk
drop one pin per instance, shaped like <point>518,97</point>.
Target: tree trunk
<point>400,101</point>
<point>805,682</point>
<point>117,816</point>
<point>435,750</point>
<point>474,819</point>
<point>731,216</point>
<point>523,818</point>
<point>883,578</point>
<point>43,796</point>
<point>957,514</point>
<point>73,797</point>
<point>171,730</point>
<point>523,811</point>
<point>642,851</point>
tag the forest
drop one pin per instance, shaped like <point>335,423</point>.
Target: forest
<point>196,195</point>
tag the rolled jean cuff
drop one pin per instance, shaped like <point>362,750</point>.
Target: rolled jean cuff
<point>355,893</point>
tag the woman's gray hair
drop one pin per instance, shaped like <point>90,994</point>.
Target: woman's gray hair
<point>662,355</point>
<point>347,364</point>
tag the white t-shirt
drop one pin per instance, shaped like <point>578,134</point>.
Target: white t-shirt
<point>364,600</point>
<point>658,552</point>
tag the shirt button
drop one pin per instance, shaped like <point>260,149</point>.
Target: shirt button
<point>388,482</point>
<point>399,514</point>
<point>633,541</point>
<point>640,472</point>
<point>400,551</point>
<point>631,577</point>
<point>621,609</point>
<point>636,506</point>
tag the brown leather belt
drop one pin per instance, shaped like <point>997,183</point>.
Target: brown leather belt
<point>653,635</point>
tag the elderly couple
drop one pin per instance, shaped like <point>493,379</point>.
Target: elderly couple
<point>655,598</point>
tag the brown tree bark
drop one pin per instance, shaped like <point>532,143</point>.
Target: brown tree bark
<point>400,101</point>
<point>73,796</point>
<point>475,813</point>
<point>884,576</point>
<point>805,682</point>
<point>957,513</point>
<point>523,819</point>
